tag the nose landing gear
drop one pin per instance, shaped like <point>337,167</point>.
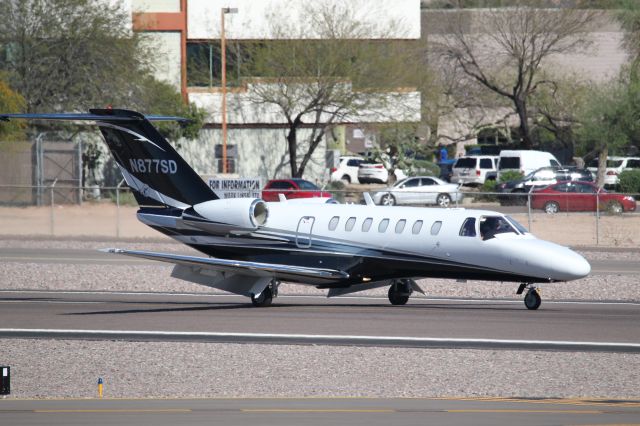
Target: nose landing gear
<point>400,291</point>
<point>532,299</point>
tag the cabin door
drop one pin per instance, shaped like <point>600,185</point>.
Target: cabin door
<point>303,233</point>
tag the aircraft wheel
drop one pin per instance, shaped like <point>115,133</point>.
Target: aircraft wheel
<point>388,200</point>
<point>264,300</point>
<point>532,299</point>
<point>397,295</point>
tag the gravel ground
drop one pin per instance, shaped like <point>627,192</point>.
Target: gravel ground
<point>42,369</point>
<point>68,368</point>
<point>38,276</point>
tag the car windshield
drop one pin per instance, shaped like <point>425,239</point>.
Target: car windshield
<point>614,163</point>
<point>400,183</point>
<point>305,184</point>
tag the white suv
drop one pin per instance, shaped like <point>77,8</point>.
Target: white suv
<point>615,166</point>
<point>473,170</point>
<point>347,170</point>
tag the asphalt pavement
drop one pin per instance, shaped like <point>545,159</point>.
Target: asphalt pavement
<point>321,411</point>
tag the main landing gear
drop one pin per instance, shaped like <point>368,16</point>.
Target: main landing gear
<point>265,298</point>
<point>532,299</point>
<point>400,291</point>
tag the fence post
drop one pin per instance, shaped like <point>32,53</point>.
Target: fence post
<point>598,217</point>
<point>52,216</point>
<point>529,206</point>
<point>118,208</point>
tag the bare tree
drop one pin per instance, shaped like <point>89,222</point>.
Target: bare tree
<point>503,50</point>
<point>340,75</point>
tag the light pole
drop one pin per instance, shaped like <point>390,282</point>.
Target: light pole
<point>223,59</point>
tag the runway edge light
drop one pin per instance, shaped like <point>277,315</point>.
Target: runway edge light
<point>5,380</point>
<point>100,382</point>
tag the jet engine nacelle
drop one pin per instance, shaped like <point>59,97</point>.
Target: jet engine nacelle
<point>228,214</point>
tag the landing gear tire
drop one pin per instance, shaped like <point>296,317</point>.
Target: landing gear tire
<point>532,299</point>
<point>399,292</point>
<point>264,299</point>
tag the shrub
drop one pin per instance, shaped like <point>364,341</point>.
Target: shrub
<point>510,175</point>
<point>629,182</point>
<point>489,185</point>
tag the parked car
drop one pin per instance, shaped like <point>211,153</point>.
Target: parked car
<point>419,190</point>
<point>525,161</point>
<point>473,170</point>
<point>376,172</point>
<point>291,188</point>
<point>579,196</point>
<point>615,166</point>
<point>347,170</point>
<point>540,178</point>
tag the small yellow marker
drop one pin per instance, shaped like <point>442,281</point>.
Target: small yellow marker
<point>99,387</point>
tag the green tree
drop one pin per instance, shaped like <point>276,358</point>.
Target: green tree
<point>73,55</point>
<point>10,102</point>
<point>502,50</point>
<point>611,119</point>
<point>340,75</point>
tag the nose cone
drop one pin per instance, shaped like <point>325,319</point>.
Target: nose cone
<point>572,267</point>
<point>547,260</point>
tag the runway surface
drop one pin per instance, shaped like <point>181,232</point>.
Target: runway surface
<point>487,322</point>
<point>78,256</point>
<point>320,411</point>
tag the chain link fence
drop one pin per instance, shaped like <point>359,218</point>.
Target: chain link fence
<point>583,219</point>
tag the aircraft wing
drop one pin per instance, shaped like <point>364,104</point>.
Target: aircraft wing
<point>251,269</point>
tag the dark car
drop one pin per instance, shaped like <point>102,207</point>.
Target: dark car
<point>540,178</point>
<point>291,188</point>
<point>579,196</point>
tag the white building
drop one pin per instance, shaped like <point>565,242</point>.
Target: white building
<point>184,31</point>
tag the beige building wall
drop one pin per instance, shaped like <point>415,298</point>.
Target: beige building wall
<point>166,61</point>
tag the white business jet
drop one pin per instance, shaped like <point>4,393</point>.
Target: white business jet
<point>254,245</point>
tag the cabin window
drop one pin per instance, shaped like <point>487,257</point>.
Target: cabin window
<point>468,227</point>
<point>333,223</point>
<point>417,226</point>
<point>366,225</point>
<point>384,223</point>
<point>350,223</point>
<point>400,226</point>
<point>490,226</point>
<point>435,228</point>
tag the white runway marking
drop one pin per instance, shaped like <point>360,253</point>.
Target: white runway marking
<point>311,338</point>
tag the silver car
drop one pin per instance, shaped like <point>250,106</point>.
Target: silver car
<point>419,190</point>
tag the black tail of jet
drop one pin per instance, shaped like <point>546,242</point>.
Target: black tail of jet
<point>155,172</point>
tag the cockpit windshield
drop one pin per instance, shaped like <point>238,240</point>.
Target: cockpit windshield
<point>517,225</point>
<point>490,226</point>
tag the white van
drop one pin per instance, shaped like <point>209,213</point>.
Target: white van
<point>525,161</point>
